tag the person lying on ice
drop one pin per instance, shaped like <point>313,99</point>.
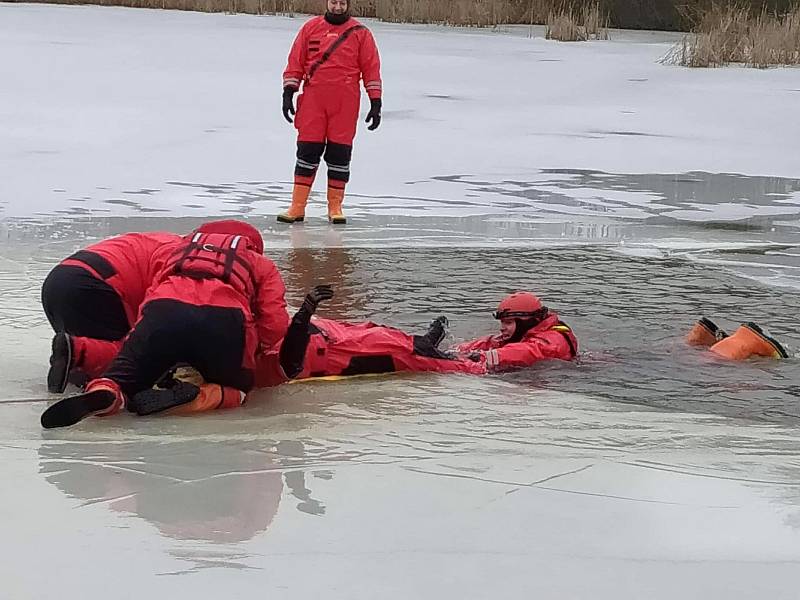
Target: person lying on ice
<point>214,302</point>
<point>529,333</point>
<point>748,341</point>
<point>328,348</point>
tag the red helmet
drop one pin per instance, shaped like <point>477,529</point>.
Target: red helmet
<point>520,305</point>
<point>233,227</point>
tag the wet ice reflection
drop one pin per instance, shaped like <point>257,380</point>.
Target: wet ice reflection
<point>644,455</point>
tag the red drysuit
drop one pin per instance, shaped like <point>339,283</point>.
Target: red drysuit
<point>255,287</point>
<point>550,339</point>
<point>339,348</point>
<point>129,257</point>
<point>330,60</point>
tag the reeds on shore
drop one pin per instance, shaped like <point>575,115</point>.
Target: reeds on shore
<point>567,23</point>
<point>733,34</point>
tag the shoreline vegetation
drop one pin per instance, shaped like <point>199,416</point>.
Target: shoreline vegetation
<point>666,15</point>
<point>756,33</point>
<point>734,35</point>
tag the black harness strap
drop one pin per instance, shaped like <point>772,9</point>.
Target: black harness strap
<point>230,254</point>
<point>185,253</point>
<point>91,259</point>
<point>327,54</point>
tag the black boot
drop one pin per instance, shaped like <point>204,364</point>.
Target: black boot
<point>157,400</point>
<point>69,411</point>
<point>60,363</point>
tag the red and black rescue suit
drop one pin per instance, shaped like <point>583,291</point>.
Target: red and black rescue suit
<point>97,291</point>
<point>330,59</point>
<point>215,302</point>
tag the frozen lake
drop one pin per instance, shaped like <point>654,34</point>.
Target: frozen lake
<point>633,197</point>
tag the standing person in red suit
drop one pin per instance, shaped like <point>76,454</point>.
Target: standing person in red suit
<point>529,332</point>
<point>95,294</point>
<point>330,55</point>
<point>214,302</point>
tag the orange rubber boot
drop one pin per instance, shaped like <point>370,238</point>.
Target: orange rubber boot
<point>748,341</point>
<point>705,333</point>
<point>211,396</point>
<point>297,210</point>
<point>335,200</point>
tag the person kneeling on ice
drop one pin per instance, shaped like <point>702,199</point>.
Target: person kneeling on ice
<point>529,333</point>
<point>748,341</point>
<point>214,302</point>
<point>95,294</point>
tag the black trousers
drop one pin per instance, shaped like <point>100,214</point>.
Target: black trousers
<point>78,303</point>
<point>209,338</point>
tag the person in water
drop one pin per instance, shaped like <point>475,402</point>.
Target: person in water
<point>529,333</point>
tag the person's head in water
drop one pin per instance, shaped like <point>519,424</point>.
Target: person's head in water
<point>338,11</point>
<point>519,313</point>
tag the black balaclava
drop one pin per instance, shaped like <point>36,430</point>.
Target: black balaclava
<point>523,326</point>
<point>341,19</point>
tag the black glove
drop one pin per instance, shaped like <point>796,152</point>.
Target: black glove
<point>317,295</point>
<point>475,356</point>
<point>288,102</point>
<point>293,348</point>
<point>374,114</point>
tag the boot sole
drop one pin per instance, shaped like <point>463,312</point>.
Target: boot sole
<point>153,401</point>
<point>69,411</point>
<point>338,220</point>
<point>780,350</point>
<point>58,377</point>
<point>290,220</point>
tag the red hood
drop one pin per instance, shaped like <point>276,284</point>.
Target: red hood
<point>232,227</point>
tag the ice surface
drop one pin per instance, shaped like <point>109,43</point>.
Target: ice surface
<point>646,469</point>
<point>632,196</point>
<point>124,111</point>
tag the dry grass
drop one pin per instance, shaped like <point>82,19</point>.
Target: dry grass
<point>256,7</point>
<point>481,13</point>
<point>660,14</point>
<point>570,24</point>
<point>732,34</point>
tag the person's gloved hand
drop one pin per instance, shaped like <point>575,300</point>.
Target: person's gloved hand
<point>475,356</point>
<point>295,342</point>
<point>374,114</point>
<point>319,294</point>
<point>288,102</point>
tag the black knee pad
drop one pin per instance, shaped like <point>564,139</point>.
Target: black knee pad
<point>308,157</point>
<point>338,158</point>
